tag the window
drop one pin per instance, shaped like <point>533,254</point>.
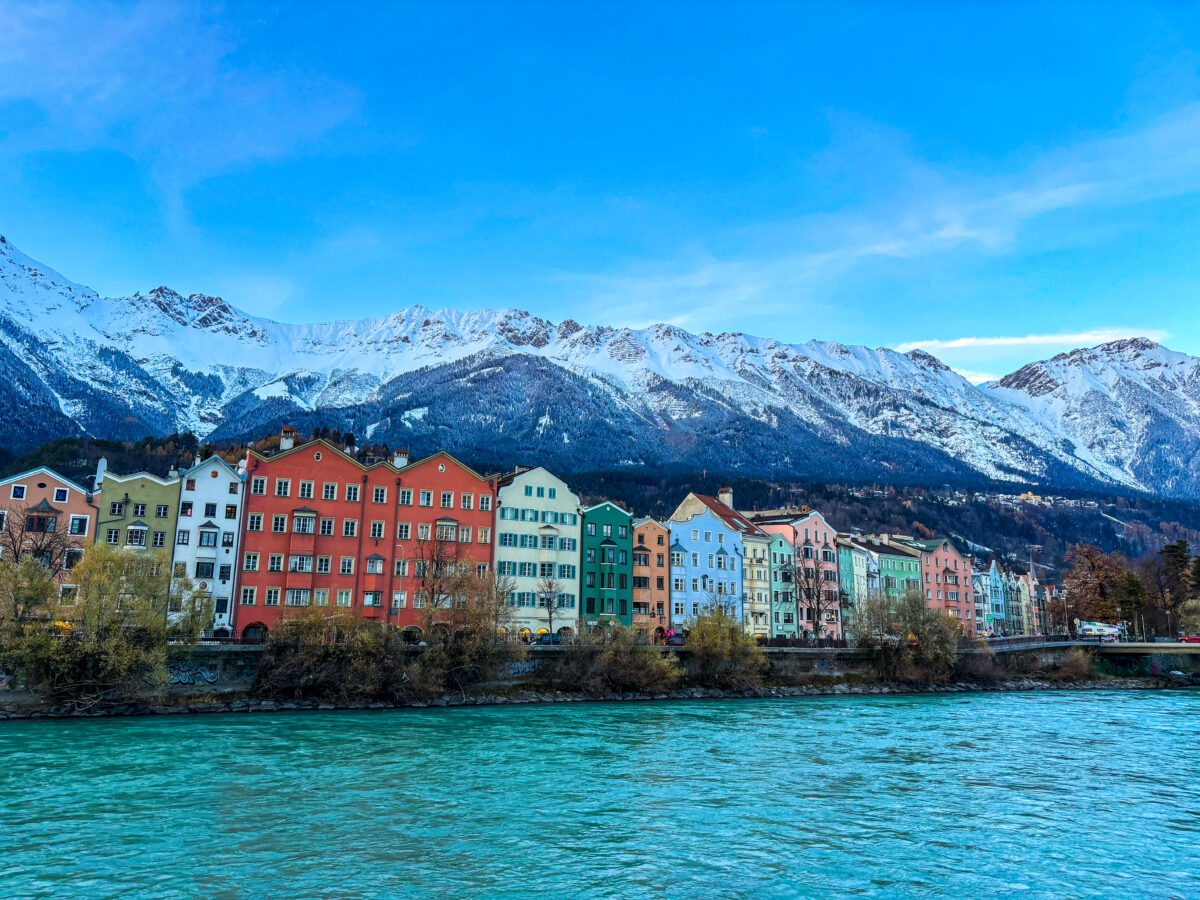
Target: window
<point>485,502</point>
<point>258,485</point>
<point>566,572</point>
<point>466,501</point>
<point>403,531</point>
<point>399,599</point>
<point>329,490</point>
<point>160,511</point>
<point>423,531</point>
<point>591,529</point>
<point>529,490</point>
<point>114,509</point>
<point>446,532</point>
<point>327,527</point>
<point>347,565</point>
<point>344,598</point>
<point>375,565</point>
<point>306,490</point>
<point>160,539</point>
<point>379,495</point>
<point>136,537</point>
<point>210,510</point>
<point>204,569</point>
<point>323,565</point>
<point>464,535</point>
<point>297,597</point>
<point>272,597</point>
<point>321,596</point>
<point>283,487</point>
<point>185,508</point>
<point>485,535</point>
<point>230,510</point>
<point>248,594</point>
<point>377,529</point>
<point>183,537</point>
<point>17,492</point>
<point>352,493</point>
<point>78,526</point>
<point>373,598</point>
<point>300,563</point>
<point>279,524</point>
<point>254,522</point>
<point>250,562</point>
<point>61,495</point>
<point>401,568</point>
<point>427,498</point>
<point>568,544</point>
<point>275,562</point>
<point>447,499</point>
<point>406,496</point>
<point>208,538</point>
<point>303,524</point>
<point>349,527</point>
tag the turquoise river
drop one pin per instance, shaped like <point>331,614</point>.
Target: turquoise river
<point>1049,794</point>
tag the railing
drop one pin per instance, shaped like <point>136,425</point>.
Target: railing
<point>807,643</point>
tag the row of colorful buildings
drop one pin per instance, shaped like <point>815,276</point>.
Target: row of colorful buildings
<point>312,524</point>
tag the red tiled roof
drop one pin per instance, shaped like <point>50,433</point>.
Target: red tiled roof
<point>730,517</point>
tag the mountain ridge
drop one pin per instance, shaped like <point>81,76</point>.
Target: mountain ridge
<point>583,397</point>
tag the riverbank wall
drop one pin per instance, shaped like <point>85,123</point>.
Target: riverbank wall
<point>212,703</point>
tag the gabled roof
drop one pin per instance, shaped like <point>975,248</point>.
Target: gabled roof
<point>203,464</point>
<point>140,524</point>
<point>21,476</point>
<point>149,476</point>
<point>210,524</point>
<point>615,506</point>
<point>44,507</point>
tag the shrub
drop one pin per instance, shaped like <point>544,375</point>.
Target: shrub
<point>614,660</point>
<point>721,655</point>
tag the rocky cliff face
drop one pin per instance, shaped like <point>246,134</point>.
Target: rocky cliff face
<point>508,386</point>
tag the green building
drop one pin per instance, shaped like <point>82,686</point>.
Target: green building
<point>137,511</point>
<point>899,569</point>
<point>606,570</point>
<point>784,618</point>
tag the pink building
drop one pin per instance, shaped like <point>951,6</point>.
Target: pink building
<point>818,592</point>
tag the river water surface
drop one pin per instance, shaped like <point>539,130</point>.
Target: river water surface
<point>1037,794</point>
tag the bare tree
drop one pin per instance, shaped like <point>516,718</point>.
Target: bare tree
<point>444,578</point>
<point>28,532</point>
<point>811,593</point>
<point>549,593</point>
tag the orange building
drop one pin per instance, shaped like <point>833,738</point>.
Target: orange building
<point>651,578</point>
<point>49,516</point>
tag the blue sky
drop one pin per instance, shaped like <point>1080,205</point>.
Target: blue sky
<point>994,182</point>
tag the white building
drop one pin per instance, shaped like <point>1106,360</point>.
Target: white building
<point>209,533</point>
<point>537,546</point>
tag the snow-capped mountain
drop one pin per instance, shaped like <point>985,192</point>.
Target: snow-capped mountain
<point>506,386</point>
<point>1131,408</point>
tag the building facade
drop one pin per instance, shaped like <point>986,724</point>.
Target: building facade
<point>651,579</point>
<point>50,517</point>
<point>537,550</point>
<point>139,512</point>
<point>707,556</point>
<point>387,541</point>
<point>784,615</point>
<point>208,535</point>
<point>818,592</point>
<point>606,567</point>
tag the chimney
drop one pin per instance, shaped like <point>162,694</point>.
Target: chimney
<point>725,495</point>
<point>400,459</point>
<point>101,470</point>
<point>287,437</point>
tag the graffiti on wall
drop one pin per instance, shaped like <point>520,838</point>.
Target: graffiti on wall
<point>191,673</point>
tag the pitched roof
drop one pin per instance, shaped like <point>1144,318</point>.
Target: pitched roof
<point>47,470</point>
<point>731,517</point>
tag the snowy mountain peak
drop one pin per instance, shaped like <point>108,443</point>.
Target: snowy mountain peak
<point>495,382</point>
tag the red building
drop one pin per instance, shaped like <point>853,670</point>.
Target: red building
<point>322,529</point>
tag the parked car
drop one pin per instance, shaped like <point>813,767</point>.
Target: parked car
<point>674,640</point>
<point>1190,639</point>
<point>546,640</point>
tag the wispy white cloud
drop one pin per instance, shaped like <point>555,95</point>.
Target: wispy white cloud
<point>1066,339</point>
<point>930,214</point>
